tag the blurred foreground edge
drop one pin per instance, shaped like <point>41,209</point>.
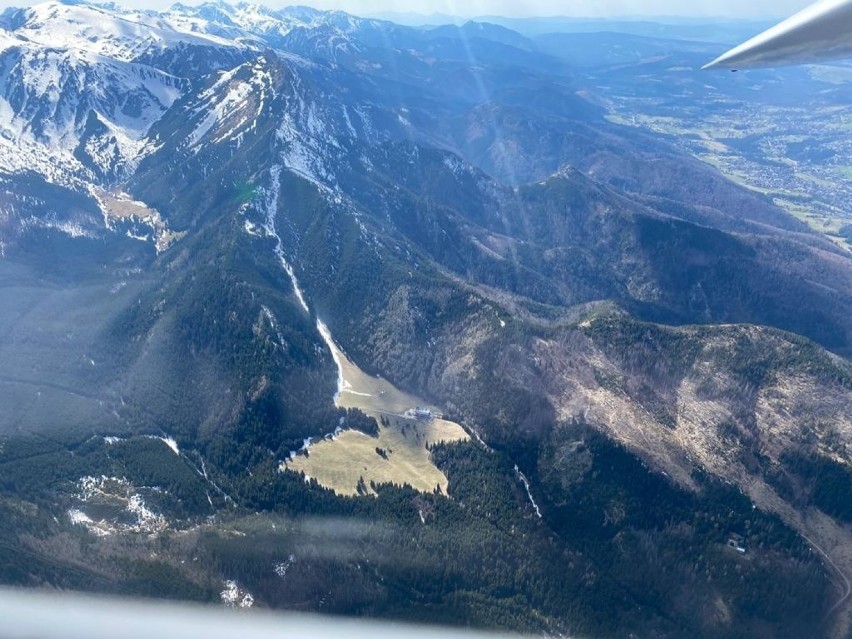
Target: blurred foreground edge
<point>29,614</point>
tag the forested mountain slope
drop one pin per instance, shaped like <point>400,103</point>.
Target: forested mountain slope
<point>647,356</point>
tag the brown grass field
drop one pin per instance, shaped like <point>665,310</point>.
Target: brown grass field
<point>340,463</point>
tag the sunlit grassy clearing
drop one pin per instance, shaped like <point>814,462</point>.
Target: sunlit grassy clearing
<point>341,463</point>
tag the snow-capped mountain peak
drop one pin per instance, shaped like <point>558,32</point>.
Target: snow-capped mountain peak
<point>66,110</point>
<point>249,22</point>
<point>117,34</point>
<point>82,85</point>
<point>88,91</point>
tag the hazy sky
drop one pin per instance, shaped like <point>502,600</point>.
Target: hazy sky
<point>590,8</point>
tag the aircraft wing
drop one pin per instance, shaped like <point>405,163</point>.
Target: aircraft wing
<point>819,33</point>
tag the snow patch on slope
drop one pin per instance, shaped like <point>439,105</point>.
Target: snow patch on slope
<point>66,112</point>
<point>235,597</point>
<point>170,442</point>
<point>329,341</point>
<point>306,142</point>
<point>231,107</point>
<point>270,208</point>
<point>526,484</point>
<point>116,495</point>
<point>282,567</point>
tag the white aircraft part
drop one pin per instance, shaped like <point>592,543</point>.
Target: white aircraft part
<point>819,33</point>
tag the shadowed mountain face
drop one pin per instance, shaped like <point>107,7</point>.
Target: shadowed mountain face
<point>649,356</point>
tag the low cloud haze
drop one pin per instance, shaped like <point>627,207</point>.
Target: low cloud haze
<point>513,8</point>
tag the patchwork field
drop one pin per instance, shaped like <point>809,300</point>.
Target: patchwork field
<point>353,463</point>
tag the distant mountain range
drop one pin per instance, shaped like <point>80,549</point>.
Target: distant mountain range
<point>707,29</point>
<point>200,206</point>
